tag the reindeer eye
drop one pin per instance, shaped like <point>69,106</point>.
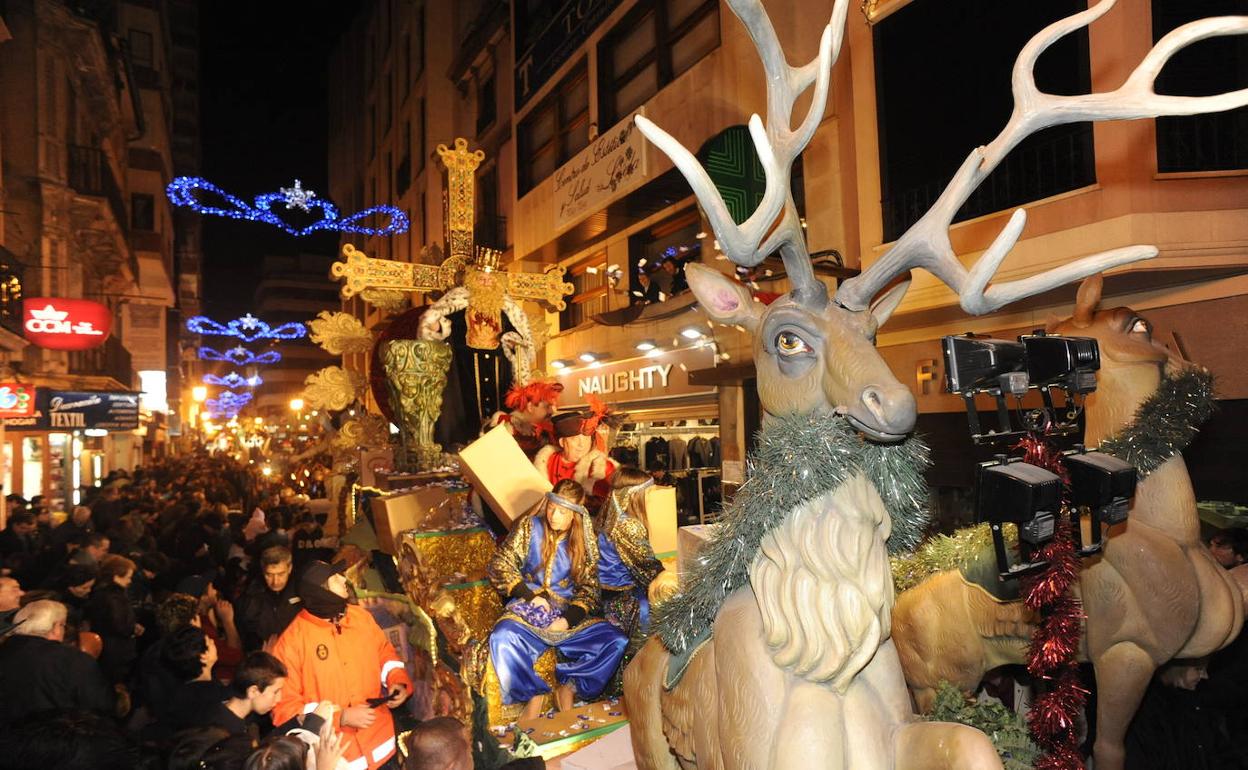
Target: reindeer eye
<point>790,344</point>
<point>1140,326</point>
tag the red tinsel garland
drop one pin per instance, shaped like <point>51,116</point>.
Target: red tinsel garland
<point>1053,719</point>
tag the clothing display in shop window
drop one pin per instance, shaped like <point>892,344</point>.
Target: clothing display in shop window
<point>677,454</point>
<point>713,457</point>
<point>699,452</point>
<point>626,455</point>
<point>656,453</point>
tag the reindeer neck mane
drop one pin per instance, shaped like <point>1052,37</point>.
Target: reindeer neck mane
<point>1166,422</point>
<point>798,459</point>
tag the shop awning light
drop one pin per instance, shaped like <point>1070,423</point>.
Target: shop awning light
<point>560,363</point>
<point>647,345</point>
<point>588,357</point>
<point>692,333</point>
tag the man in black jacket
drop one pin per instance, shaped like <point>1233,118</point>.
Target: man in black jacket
<point>40,672</point>
<point>270,604</point>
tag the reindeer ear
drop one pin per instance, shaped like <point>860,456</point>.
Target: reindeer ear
<point>1087,298</point>
<point>1052,323</point>
<point>725,300</point>
<point>882,309</point>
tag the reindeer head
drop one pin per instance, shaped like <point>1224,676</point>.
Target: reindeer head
<point>813,354</point>
<point>1124,338</point>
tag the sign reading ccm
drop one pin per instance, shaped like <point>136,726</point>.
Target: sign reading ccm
<point>66,324</point>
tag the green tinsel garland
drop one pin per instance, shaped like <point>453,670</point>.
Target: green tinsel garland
<point>1166,422</point>
<point>798,458</point>
<point>1006,730</point>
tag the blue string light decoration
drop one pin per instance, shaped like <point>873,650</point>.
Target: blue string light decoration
<point>234,381</point>
<point>187,190</point>
<point>240,356</point>
<point>248,329</point>
<point>228,401</point>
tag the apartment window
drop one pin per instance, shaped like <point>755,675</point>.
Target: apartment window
<point>1213,142</point>
<point>405,59</point>
<point>418,41</point>
<point>385,104</point>
<point>420,136</point>
<point>930,115</point>
<point>589,291</point>
<point>491,228</point>
<point>142,212</point>
<point>487,105</point>
<point>371,130</point>
<point>142,52</point>
<point>650,47</point>
<point>424,220</point>
<point>555,130</point>
<point>389,176</point>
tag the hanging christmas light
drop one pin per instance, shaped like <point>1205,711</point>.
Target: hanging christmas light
<point>248,329</point>
<point>189,191</point>
<point>240,356</point>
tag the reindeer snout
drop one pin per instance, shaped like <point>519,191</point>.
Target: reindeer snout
<point>889,409</point>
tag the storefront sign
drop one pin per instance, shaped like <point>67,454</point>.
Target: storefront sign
<point>562,35</point>
<point>66,324</point>
<point>16,400</point>
<point>613,164</point>
<point>102,410</point>
<point>639,379</point>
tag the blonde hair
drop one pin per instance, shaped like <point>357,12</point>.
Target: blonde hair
<point>573,492</point>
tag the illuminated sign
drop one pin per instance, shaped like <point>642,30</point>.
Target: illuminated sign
<point>66,324</point>
<point>16,400</point>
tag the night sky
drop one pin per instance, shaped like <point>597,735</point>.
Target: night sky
<point>264,84</point>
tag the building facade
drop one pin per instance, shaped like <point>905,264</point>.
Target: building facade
<point>86,118</point>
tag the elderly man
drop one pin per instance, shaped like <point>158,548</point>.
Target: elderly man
<point>10,599</point>
<point>39,672</point>
<point>269,605</point>
<point>336,652</point>
<point>575,457</point>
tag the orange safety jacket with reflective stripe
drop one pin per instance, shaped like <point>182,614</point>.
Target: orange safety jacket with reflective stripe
<point>346,665</point>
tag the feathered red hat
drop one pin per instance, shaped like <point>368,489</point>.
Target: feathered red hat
<point>536,392</point>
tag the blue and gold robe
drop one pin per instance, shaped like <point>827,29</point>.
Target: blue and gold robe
<point>626,567</point>
<point>589,651</point>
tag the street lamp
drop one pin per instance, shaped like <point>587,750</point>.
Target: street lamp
<point>199,393</point>
<point>296,404</point>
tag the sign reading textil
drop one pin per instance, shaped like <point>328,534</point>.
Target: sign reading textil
<point>612,165</point>
<point>65,324</point>
<point>102,410</point>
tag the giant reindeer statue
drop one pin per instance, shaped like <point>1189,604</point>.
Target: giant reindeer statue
<point>785,661</point>
<point>1156,594</point>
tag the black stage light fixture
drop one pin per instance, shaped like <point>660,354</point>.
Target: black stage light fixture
<point>1026,495</point>
<point>1069,363</point>
<point>1105,485</point>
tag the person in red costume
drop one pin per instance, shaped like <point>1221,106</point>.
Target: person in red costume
<point>528,416</point>
<point>576,456</point>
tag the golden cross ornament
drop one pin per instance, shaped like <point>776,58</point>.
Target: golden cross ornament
<point>473,267</point>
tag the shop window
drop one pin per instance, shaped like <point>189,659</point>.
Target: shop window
<point>942,73</point>
<point>658,257</point>
<point>650,47</point>
<point>7,459</point>
<point>555,130</point>
<point>142,212</point>
<point>32,466</point>
<point>1213,142</point>
<point>420,136</point>
<point>418,44</point>
<point>589,292</point>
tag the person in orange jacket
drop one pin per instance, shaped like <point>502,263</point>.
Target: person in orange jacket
<point>334,651</point>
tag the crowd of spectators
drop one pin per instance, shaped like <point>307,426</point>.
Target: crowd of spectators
<point>148,629</point>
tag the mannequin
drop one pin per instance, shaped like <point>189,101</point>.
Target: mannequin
<point>626,562</point>
<point>576,457</point>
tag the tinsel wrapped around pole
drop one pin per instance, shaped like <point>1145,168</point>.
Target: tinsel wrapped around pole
<point>1054,650</point>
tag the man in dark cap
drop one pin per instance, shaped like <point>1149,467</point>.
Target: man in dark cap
<point>334,651</point>
<point>576,457</point>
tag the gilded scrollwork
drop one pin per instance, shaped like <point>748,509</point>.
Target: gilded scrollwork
<point>340,333</point>
<point>332,388</point>
<point>416,376</point>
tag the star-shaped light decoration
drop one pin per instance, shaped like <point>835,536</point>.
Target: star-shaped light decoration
<point>249,321</point>
<point>297,197</point>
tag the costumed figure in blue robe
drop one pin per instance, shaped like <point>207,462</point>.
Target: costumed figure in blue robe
<point>626,561</point>
<point>547,572</point>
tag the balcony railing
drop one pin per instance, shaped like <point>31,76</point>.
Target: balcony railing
<point>1060,161</point>
<point>109,360</point>
<point>90,174</point>
<point>1203,142</point>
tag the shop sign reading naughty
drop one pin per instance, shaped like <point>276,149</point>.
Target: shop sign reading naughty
<point>65,324</point>
<point>638,379</point>
<point>613,164</point>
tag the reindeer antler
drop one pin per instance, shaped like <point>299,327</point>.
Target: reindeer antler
<point>778,146</point>
<point>926,244</point>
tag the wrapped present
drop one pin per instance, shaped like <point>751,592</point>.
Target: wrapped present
<point>423,508</point>
<point>503,475</point>
<point>661,519</point>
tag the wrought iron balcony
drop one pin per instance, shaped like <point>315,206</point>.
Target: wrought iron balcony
<point>90,174</point>
<point>109,360</point>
